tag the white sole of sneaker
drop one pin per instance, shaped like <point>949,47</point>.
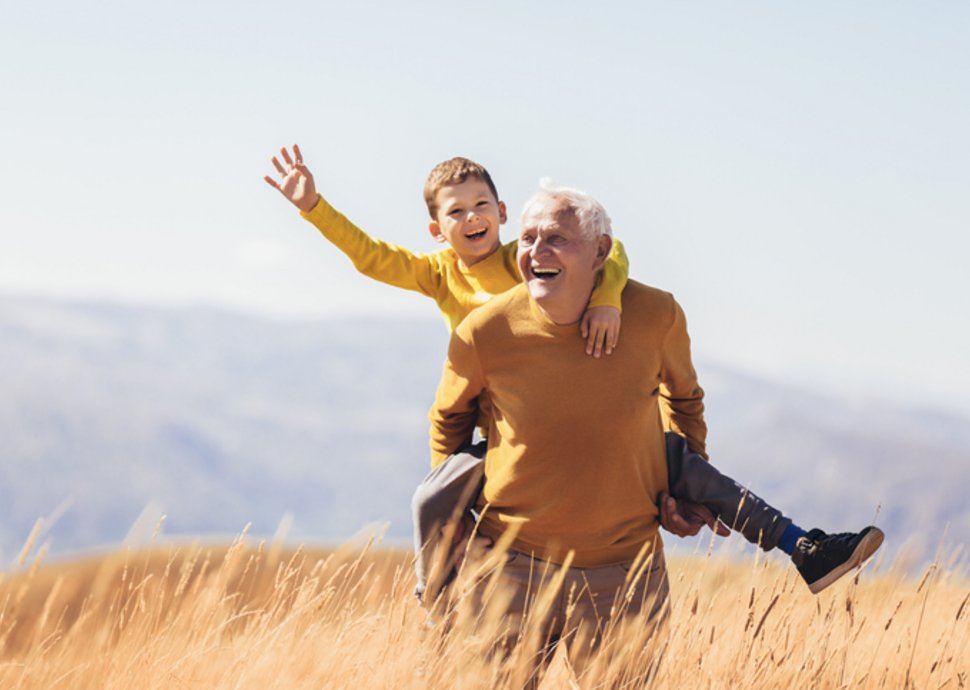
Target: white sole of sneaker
<point>868,546</point>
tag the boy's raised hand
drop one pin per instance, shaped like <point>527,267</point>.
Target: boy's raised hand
<point>601,328</point>
<point>297,181</point>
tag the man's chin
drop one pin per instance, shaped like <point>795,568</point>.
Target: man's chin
<point>538,290</point>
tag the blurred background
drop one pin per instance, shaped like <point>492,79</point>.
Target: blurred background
<point>176,340</point>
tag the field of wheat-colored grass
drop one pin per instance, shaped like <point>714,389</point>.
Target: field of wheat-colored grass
<point>258,616</point>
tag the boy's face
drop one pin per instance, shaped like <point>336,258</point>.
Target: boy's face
<point>468,219</point>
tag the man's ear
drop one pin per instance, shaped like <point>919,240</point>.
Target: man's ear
<point>502,213</point>
<point>604,245</point>
<point>435,231</point>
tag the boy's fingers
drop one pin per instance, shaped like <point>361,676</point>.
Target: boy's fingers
<point>279,168</point>
<point>298,154</point>
<point>598,340</point>
<point>584,329</point>
<point>271,182</point>
<point>591,335</point>
<point>286,156</point>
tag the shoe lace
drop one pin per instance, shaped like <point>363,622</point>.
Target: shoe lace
<point>806,545</point>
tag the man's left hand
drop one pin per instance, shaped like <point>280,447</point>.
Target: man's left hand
<point>685,518</point>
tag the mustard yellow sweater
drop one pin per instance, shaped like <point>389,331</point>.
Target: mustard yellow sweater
<point>576,454</point>
<point>457,289</point>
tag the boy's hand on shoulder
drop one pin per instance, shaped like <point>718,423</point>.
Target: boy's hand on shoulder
<point>601,328</point>
<point>296,182</point>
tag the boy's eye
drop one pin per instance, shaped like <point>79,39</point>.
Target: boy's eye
<point>455,212</point>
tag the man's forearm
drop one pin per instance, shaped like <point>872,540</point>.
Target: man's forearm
<point>682,398</point>
<point>455,411</point>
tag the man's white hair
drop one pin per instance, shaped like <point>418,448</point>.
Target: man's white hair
<point>592,217</point>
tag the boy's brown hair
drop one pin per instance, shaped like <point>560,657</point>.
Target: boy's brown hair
<point>453,171</point>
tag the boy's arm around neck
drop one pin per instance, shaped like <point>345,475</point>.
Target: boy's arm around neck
<point>376,259</point>
<point>612,280</point>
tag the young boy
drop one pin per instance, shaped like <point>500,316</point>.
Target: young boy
<point>466,214</point>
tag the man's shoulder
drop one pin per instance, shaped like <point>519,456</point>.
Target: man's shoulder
<point>496,310</point>
<point>637,293</point>
<point>648,306</point>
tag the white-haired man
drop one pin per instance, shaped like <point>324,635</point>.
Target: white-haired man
<point>577,449</point>
<point>576,453</point>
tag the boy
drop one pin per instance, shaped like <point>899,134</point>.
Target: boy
<point>466,214</point>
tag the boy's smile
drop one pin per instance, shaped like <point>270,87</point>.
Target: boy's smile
<point>468,219</point>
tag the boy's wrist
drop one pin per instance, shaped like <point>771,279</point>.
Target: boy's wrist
<point>308,206</point>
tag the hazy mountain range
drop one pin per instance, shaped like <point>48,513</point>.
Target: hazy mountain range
<point>221,420</point>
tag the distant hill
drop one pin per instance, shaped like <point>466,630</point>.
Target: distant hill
<point>223,420</point>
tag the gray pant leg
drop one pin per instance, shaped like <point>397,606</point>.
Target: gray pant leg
<point>692,477</point>
<point>458,480</point>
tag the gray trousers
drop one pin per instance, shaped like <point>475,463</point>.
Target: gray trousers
<point>449,491</point>
<point>452,488</point>
<point>691,477</point>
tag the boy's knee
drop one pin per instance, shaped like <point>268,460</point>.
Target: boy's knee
<point>429,506</point>
<point>420,498</point>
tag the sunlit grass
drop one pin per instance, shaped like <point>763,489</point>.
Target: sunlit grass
<point>256,616</point>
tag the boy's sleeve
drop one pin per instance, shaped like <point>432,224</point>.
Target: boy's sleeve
<point>612,280</point>
<point>455,411</point>
<point>681,397</point>
<point>510,259</point>
<point>379,260</point>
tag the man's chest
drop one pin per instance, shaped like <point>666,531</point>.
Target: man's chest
<point>551,380</point>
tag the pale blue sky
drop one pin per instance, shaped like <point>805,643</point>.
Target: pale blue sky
<point>795,173</point>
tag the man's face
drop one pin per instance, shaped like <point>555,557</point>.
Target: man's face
<point>468,219</point>
<point>559,264</point>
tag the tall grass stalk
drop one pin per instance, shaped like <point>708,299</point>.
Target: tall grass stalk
<point>248,616</point>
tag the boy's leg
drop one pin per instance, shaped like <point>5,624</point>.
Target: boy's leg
<point>692,477</point>
<point>820,558</point>
<point>458,480</point>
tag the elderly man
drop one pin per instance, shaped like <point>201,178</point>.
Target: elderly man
<point>576,449</point>
<point>577,453</point>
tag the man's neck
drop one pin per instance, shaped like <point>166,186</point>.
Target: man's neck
<point>562,314</point>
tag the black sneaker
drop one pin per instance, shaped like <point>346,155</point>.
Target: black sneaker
<point>823,558</point>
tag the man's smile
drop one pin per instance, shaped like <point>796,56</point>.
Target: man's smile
<point>545,273</point>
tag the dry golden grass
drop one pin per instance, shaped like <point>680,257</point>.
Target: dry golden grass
<point>256,617</point>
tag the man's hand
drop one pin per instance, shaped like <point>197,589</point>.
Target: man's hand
<point>601,328</point>
<point>297,183</point>
<point>685,518</point>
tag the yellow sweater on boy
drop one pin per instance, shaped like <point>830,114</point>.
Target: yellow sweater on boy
<point>576,454</point>
<point>457,289</point>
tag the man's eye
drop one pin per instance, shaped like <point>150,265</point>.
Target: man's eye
<point>525,239</point>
